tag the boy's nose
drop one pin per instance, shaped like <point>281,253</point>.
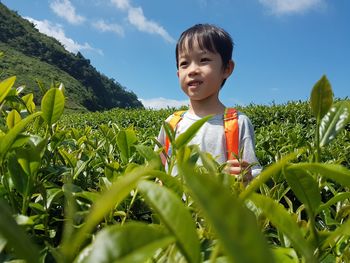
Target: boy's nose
<point>193,69</point>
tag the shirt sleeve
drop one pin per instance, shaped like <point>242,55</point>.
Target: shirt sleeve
<point>247,143</point>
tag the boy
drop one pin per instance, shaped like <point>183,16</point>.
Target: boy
<point>204,62</point>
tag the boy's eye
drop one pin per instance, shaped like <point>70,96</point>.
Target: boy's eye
<point>183,63</point>
<point>205,59</point>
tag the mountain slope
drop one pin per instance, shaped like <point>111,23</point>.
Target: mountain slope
<point>44,58</point>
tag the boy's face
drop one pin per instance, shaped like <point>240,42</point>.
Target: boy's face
<point>201,73</point>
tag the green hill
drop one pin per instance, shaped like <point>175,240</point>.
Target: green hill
<point>32,56</point>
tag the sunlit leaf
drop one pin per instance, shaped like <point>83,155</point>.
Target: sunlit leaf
<point>175,217</point>
<point>7,140</point>
<point>284,222</point>
<point>103,205</point>
<point>125,140</point>
<point>238,235</point>
<point>5,87</point>
<point>133,242</point>
<point>13,118</point>
<point>334,121</point>
<point>321,98</point>
<point>52,105</point>
<point>29,102</point>
<point>335,172</point>
<point>187,136</point>
<point>285,255</point>
<point>267,173</point>
<point>305,188</point>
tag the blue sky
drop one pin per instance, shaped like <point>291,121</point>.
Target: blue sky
<point>282,47</point>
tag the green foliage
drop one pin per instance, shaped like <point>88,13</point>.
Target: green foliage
<point>90,187</point>
<point>31,56</point>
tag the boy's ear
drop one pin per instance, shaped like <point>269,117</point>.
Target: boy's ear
<point>230,67</point>
<point>177,73</point>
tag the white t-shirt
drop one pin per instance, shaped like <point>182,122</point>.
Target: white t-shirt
<point>211,137</point>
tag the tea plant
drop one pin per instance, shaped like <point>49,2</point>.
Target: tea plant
<point>92,190</point>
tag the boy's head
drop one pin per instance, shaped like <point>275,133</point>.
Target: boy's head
<point>208,37</point>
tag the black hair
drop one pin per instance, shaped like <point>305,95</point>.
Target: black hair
<point>209,37</point>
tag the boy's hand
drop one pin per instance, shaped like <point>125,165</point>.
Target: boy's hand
<point>235,167</point>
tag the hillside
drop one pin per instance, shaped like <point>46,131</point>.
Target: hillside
<point>31,56</point>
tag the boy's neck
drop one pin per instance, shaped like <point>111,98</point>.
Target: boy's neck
<point>204,108</point>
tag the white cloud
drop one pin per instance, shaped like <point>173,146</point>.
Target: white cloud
<point>122,4</point>
<point>138,19</point>
<point>282,7</point>
<point>65,9</point>
<point>56,31</point>
<point>162,103</point>
<point>105,27</point>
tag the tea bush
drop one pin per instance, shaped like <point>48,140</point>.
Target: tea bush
<point>90,187</point>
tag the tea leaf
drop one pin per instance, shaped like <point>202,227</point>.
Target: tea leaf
<point>187,136</point>
<point>175,217</point>
<point>18,176</point>
<point>334,121</point>
<point>16,237</point>
<point>10,137</point>
<point>338,197</point>
<point>335,172</point>
<point>5,87</point>
<point>103,205</point>
<point>126,139</point>
<point>29,102</point>
<point>52,105</point>
<point>321,98</point>
<point>305,188</point>
<point>267,173</point>
<point>284,222</point>
<point>237,229</point>
<point>133,242</point>
<point>13,118</point>
<point>343,230</point>
<point>285,255</point>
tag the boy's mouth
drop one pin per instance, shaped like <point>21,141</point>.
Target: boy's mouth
<point>194,83</point>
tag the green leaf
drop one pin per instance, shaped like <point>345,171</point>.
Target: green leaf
<point>169,181</point>
<point>52,195</point>
<point>16,237</point>
<point>169,131</point>
<point>235,226</point>
<point>334,121</point>
<point>125,140</point>
<point>321,98</point>
<point>10,137</point>
<point>175,217</point>
<point>5,87</point>
<point>187,136</point>
<point>52,105</point>
<point>335,172</point>
<point>13,118</point>
<point>103,205</point>
<point>285,255</point>
<point>18,176</point>
<point>267,173</point>
<point>305,188</point>
<point>133,242</point>
<point>285,223</point>
<point>29,159</point>
<point>338,197</point>
<point>29,102</point>
<point>334,237</point>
